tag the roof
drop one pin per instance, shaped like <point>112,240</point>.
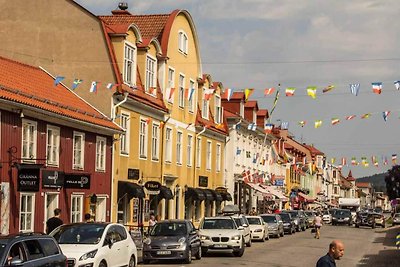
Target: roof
<point>363,185</point>
<point>262,113</point>
<point>350,177</point>
<point>210,124</point>
<point>313,150</point>
<point>235,96</point>
<point>32,86</point>
<point>251,104</point>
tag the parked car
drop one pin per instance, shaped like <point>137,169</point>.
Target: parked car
<point>298,219</point>
<point>221,234</point>
<point>30,249</point>
<point>365,219</point>
<point>96,244</point>
<point>172,240</point>
<point>326,217</point>
<point>288,223</point>
<point>310,217</point>
<point>258,228</point>
<point>234,212</point>
<point>379,219</point>
<point>396,219</point>
<point>342,216</point>
<point>275,224</point>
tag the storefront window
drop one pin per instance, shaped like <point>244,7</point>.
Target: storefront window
<point>76,208</point>
<point>26,212</point>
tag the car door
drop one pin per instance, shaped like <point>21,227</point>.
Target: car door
<point>112,247</point>
<point>124,244</point>
<point>193,237</point>
<point>35,254</point>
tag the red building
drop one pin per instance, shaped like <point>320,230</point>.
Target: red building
<point>56,151</point>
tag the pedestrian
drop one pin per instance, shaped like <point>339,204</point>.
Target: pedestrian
<point>88,218</point>
<point>253,211</point>
<point>152,220</point>
<point>53,222</point>
<point>317,225</point>
<point>336,251</point>
<point>398,240</point>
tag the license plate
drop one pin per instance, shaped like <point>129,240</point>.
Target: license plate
<point>220,246</point>
<point>163,252</point>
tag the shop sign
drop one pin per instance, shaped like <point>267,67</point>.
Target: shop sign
<point>278,182</point>
<point>28,179</point>
<point>153,187</point>
<point>133,174</point>
<point>77,181</point>
<point>203,181</point>
<point>52,179</point>
<point>221,190</point>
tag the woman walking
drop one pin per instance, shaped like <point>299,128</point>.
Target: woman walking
<point>317,225</point>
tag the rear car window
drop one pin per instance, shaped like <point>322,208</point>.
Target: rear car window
<point>34,249</point>
<point>49,247</point>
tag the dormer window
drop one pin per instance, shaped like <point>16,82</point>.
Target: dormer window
<point>218,109</point>
<point>151,75</point>
<point>204,110</point>
<point>129,64</point>
<point>183,42</point>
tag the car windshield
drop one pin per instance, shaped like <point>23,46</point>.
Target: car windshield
<point>238,221</point>
<point>88,233</point>
<point>285,217</point>
<point>343,213</point>
<point>169,229</point>
<point>218,224</point>
<point>254,221</point>
<point>269,219</point>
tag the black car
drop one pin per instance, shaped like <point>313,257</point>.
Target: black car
<point>288,223</point>
<point>30,249</point>
<point>299,219</point>
<point>365,219</point>
<point>172,240</point>
<point>342,216</point>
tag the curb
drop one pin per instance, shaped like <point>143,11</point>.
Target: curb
<point>383,230</point>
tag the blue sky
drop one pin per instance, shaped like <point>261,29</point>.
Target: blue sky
<point>263,43</point>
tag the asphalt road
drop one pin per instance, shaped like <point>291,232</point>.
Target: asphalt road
<point>363,247</point>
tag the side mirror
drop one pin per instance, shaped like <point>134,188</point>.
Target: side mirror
<point>16,262</point>
<point>240,228</point>
<point>109,242</point>
<point>193,232</point>
<point>245,225</point>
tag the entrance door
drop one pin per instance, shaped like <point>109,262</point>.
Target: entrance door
<point>101,209</point>
<point>51,203</point>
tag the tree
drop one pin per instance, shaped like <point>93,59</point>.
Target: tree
<point>392,180</point>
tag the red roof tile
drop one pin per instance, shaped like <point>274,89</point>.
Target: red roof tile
<point>229,114</point>
<point>236,96</point>
<point>363,185</point>
<point>313,150</point>
<point>262,113</point>
<point>210,124</point>
<point>33,87</point>
<point>251,104</point>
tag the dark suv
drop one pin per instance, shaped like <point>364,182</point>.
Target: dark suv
<point>342,216</point>
<point>30,250</point>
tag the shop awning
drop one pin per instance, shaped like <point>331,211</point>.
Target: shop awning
<point>217,195</point>
<point>260,189</point>
<point>195,193</point>
<point>226,196</point>
<point>129,189</point>
<point>208,194</point>
<point>276,193</point>
<point>165,192</point>
<point>305,198</point>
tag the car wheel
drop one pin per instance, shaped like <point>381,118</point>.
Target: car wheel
<point>204,251</point>
<point>373,226</point>
<point>283,233</point>
<point>267,237</point>
<point>198,254</point>
<point>132,262</point>
<point>240,252</point>
<point>248,243</point>
<point>357,226</point>
<point>263,238</point>
<point>103,264</point>
<point>189,256</point>
<point>146,261</point>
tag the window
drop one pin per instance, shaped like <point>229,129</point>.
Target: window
<point>130,65</point>
<point>101,153</point>
<point>142,139</point>
<point>124,141</point>
<point>168,145</point>
<point>204,111</point>
<point>218,109</point>
<point>181,91</point>
<point>26,212</point>
<point>183,42</point>
<point>179,148</point>
<point>218,154</point>
<point>79,143</point>
<point>191,96</point>
<point>101,209</point>
<point>171,78</point>
<point>29,137</point>
<point>53,144</point>
<point>76,208</point>
<point>150,74</point>
<point>198,152</point>
<point>155,142</point>
<point>189,150</point>
<point>208,155</point>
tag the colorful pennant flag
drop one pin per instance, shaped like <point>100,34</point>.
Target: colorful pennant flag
<point>284,125</point>
<point>333,160</point>
<point>317,123</point>
<point>353,161</point>
<point>207,93</point>
<point>385,115</point>
<point>110,86</point>
<point>335,121</point>
<point>58,79</point>
<point>228,93</point>
<point>355,88</point>
<point>377,88</point>
<point>350,117</point>
<point>268,127</point>
<point>269,91</point>
<point>366,116</point>
<point>328,88</point>
<point>312,91</point>
<point>171,93</point>
<point>148,120</point>
<point>397,85</point>
<point>190,94</point>
<point>290,91</point>
<point>252,127</point>
<point>76,83</point>
<point>247,93</point>
<point>93,87</point>
<point>275,102</point>
<point>344,161</point>
<point>302,123</point>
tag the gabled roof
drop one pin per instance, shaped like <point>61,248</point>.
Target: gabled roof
<point>33,87</point>
<point>210,124</point>
<point>363,185</point>
<point>251,104</point>
<point>263,113</point>
<point>350,177</point>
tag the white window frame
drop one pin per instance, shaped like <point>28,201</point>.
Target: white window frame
<point>168,145</point>
<point>205,105</point>
<point>76,215</point>
<point>181,91</point>
<point>189,150</point>
<point>155,142</point>
<point>125,136</point>
<point>208,155</point>
<point>48,211</point>
<point>192,85</point>
<point>198,152</point>
<point>101,151</point>
<point>143,139</point>
<point>78,165</point>
<point>171,78</point>
<point>101,208</point>
<point>29,211</point>
<point>218,109</point>
<point>151,74</point>
<point>28,145</point>
<point>218,155</point>
<point>179,144</point>
<point>183,42</point>
<point>53,146</point>
<point>130,63</point>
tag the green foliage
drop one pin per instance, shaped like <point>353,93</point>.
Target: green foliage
<point>392,180</point>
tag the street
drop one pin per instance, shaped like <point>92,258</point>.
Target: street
<point>363,247</point>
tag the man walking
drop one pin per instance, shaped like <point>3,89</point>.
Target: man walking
<point>336,251</point>
<point>54,222</point>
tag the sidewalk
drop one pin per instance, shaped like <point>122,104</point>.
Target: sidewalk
<point>385,245</point>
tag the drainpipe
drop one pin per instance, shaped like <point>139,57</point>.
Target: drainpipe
<point>114,108</point>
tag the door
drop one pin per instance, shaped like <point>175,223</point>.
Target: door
<point>101,209</point>
<point>51,203</point>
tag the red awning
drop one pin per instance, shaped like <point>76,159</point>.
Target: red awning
<point>305,198</point>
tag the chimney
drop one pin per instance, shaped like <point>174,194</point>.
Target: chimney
<point>123,9</point>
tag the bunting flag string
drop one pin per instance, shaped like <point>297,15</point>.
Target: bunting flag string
<point>290,91</point>
<point>397,84</point>
<point>312,91</point>
<point>76,83</point>
<point>335,121</point>
<point>302,123</point>
<point>58,79</point>
<point>328,88</point>
<point>93,87</point>
<point>377,88</point>
<point>385,115</point>
<point>355,88</point>
<point>275,101</point>
<point>248,92</point>
<point>269,91</point>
